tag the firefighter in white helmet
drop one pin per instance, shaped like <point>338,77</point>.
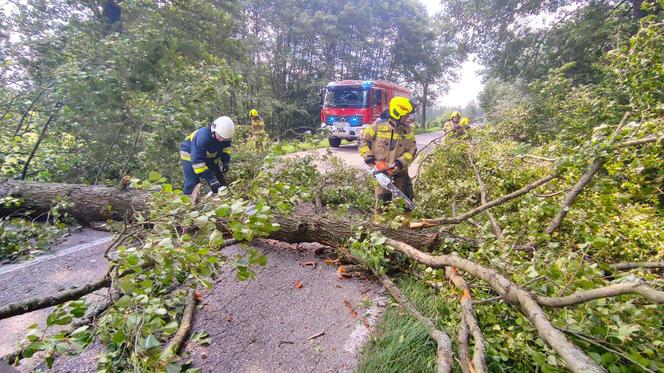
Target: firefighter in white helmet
<point>201,149</point>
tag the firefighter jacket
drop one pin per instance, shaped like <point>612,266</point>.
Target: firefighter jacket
<point>455,129</point>
<point>257,127</point>
<point>201,149</point>
<point>388,142</point>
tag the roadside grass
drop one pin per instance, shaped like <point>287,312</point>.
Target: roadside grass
<point>294,146</point>
<point>420,130</point>
<point>401,343</point>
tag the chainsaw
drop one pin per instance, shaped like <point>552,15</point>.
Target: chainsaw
<point>384,178</point>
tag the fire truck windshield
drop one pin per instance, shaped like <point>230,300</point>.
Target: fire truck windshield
<point>346,97</point>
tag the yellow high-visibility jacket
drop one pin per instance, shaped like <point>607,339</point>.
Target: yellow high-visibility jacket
<point>258,127</point>
<point>389,141</point>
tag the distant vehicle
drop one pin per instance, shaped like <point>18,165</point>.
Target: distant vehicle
<point>348,106</point>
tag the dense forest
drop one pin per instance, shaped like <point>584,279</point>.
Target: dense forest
<point>537,243</point>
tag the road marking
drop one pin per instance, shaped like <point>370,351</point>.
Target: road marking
<point>13,267</point>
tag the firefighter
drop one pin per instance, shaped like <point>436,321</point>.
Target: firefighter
<point>200,150</point>
<point>391,143</point>
<point>257,129</point>
<point>456,126</point>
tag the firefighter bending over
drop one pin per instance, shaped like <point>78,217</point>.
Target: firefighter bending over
<point>391,143</point>
<point>200,150</point>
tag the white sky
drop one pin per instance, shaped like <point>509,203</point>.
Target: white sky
<point>469,83</point>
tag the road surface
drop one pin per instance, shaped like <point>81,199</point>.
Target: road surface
<point>263,325</point>
<point>349,155</point>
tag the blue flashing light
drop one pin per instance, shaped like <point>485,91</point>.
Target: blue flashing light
<point>367,84</point>
<point>330,119</point>
<point>355,121</point>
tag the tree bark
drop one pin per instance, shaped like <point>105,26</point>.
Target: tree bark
<point>91,203</point>
<point>94,203</point>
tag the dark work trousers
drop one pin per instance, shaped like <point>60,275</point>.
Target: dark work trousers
<point>191,179</point>
<point>401,181</point>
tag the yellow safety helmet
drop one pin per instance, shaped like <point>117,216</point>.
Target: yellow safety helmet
<point>455,114</point>
<point>464,121</point>
<point>400,106</point>
<point>253,113</point>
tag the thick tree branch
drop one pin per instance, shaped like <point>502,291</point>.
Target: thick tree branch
<point>483,198</point>
<point>633,265</point>
<point>587,176</point>
<point>506,198</point>
<point>444,357</point>
<point>632,287</point>
<point>571,196</point>
<point>185,325</point>
<point>643,141</point>
<point>469,318</point>
<point>34,304</point>
<point>464,346</point>
<point>576,360</point>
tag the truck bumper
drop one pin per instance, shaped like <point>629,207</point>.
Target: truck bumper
<point>343,131</point>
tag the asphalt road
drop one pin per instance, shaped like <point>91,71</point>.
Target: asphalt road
<point>348,153</point>
<point>296,316</point>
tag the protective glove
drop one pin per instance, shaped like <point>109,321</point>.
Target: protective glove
<point>370,160</point>
<point>398,166</point>
<point>224,167</point>
<point>215,185</point>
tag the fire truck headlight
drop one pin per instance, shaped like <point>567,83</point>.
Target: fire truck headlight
<point>330,119</point>
<point>355,120</point>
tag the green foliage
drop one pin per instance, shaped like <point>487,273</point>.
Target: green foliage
<point>346,187</point>
<point>152,275</point>
<point>371,250</point>
<point>22,238</point>
<point>308,143</point>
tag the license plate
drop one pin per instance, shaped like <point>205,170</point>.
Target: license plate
<point>341,126</point>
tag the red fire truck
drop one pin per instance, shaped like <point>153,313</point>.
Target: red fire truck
<point>350,105</point>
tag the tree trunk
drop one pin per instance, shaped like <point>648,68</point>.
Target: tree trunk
<point>425,102</point>
<point>26,166</point>
<point>91,203</point>
<point>637,13</point>
<point>26,113</point>
<point>94,203</point>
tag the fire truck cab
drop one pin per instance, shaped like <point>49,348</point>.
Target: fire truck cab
<point>348,106</point>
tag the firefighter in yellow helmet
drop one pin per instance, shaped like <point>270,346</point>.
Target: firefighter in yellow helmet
<point>258,134</point>
<point>456,126</point>
<point>391,143</point>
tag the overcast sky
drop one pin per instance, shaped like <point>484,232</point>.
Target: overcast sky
<point>469,83</point>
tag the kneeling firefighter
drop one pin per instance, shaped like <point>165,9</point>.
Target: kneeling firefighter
<point>391,145</point>
<point>200,150</point>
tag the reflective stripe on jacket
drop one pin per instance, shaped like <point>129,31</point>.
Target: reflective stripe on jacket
<point>201,149</point>
<point>389,141</point>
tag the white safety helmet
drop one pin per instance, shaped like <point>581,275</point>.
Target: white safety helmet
<point>224,127</point>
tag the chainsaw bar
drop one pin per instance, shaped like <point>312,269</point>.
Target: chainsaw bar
<point>387,183</point>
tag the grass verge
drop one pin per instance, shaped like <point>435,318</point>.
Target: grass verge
<point>401,343</point>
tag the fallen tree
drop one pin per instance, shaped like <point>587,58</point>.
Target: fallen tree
<point>300,227</point>
<point>93,203</point>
